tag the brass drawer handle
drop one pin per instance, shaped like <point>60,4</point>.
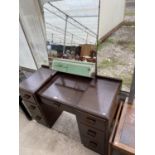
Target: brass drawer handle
<point>32,107</point>
<point>91,120</point>
<point>26,96</point>
<point>91,133</point>
<point>92,144</point>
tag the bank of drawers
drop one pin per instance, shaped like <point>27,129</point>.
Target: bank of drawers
<point>32,107</point>
<point>92,131</point>
<point>35,112</point>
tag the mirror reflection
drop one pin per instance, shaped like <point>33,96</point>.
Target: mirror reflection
<point>71,29</point>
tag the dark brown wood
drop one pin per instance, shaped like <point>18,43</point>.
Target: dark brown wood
<point>32,108</point>
<point>94,145</point>
<point>27,96</point>
<point>93,101</point>
<point>124,140</point>
<point>116,120</point>
<point>28,89</point>
<point>91,120</point>
<point>35,112</point>
<point>23,108</point>
<point>92,133</point>
<point>51,114</point>
<point>98,99</point>
<point>36,80</point>
<point>65,88</point>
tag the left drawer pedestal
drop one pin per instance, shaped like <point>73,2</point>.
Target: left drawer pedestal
<point>35,112</point>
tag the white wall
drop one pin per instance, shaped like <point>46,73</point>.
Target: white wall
<point>111,14</point>
<point>25,57</point>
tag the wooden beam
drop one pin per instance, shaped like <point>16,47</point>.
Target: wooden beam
<point>102,39</point>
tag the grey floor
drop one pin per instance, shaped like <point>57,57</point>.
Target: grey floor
<point>62,139</point>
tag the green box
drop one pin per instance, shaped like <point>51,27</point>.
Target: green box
<point>74,67</point>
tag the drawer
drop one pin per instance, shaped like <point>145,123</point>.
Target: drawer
<point>40,119</point>
<point>91,133</point>
<point>91,120</point>
<point>32,108</point>
<point>35,112</point>
<point>50,102</point>
<point>27,96</point>
<point>94,145</point>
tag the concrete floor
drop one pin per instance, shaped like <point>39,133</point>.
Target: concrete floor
<point>62,139</point>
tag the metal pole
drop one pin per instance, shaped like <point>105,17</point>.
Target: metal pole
<point>52,37</point>
<point>68,21</point>
<point>72,39</point>
<point>63,30</point>
<point>65,34</point>
<point>72,19</point>
<point>87,38</point>
<point>52,41</point>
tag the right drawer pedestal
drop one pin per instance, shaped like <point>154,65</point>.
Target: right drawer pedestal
<point>92,132</point>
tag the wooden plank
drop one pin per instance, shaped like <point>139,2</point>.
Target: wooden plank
<point>125,135</point>
<point>114,128</point>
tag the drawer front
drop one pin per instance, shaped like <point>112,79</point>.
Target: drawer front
<point>32,108</point>
<point>35,112</point>
<point>91,133</point>
<point>94,145</point>
<point>27,96</point>
<point>91,120</point>
<point>40,119</point>
<point>51,102</point>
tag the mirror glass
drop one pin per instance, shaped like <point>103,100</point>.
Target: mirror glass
<point>71,29</point>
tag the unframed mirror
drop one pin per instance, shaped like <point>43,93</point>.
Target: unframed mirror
<point>71,29</point>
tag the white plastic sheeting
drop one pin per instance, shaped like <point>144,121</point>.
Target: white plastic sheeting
<point>33,26</point>
<point>25,57</point>
<point>83,11</point>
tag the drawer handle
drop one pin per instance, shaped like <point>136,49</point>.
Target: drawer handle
<point>32,107</point>
<point>91,133</point>
<point>38,118</point>
<point>91,120</point>
<point>92,144</point>
<point>26,96</point>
